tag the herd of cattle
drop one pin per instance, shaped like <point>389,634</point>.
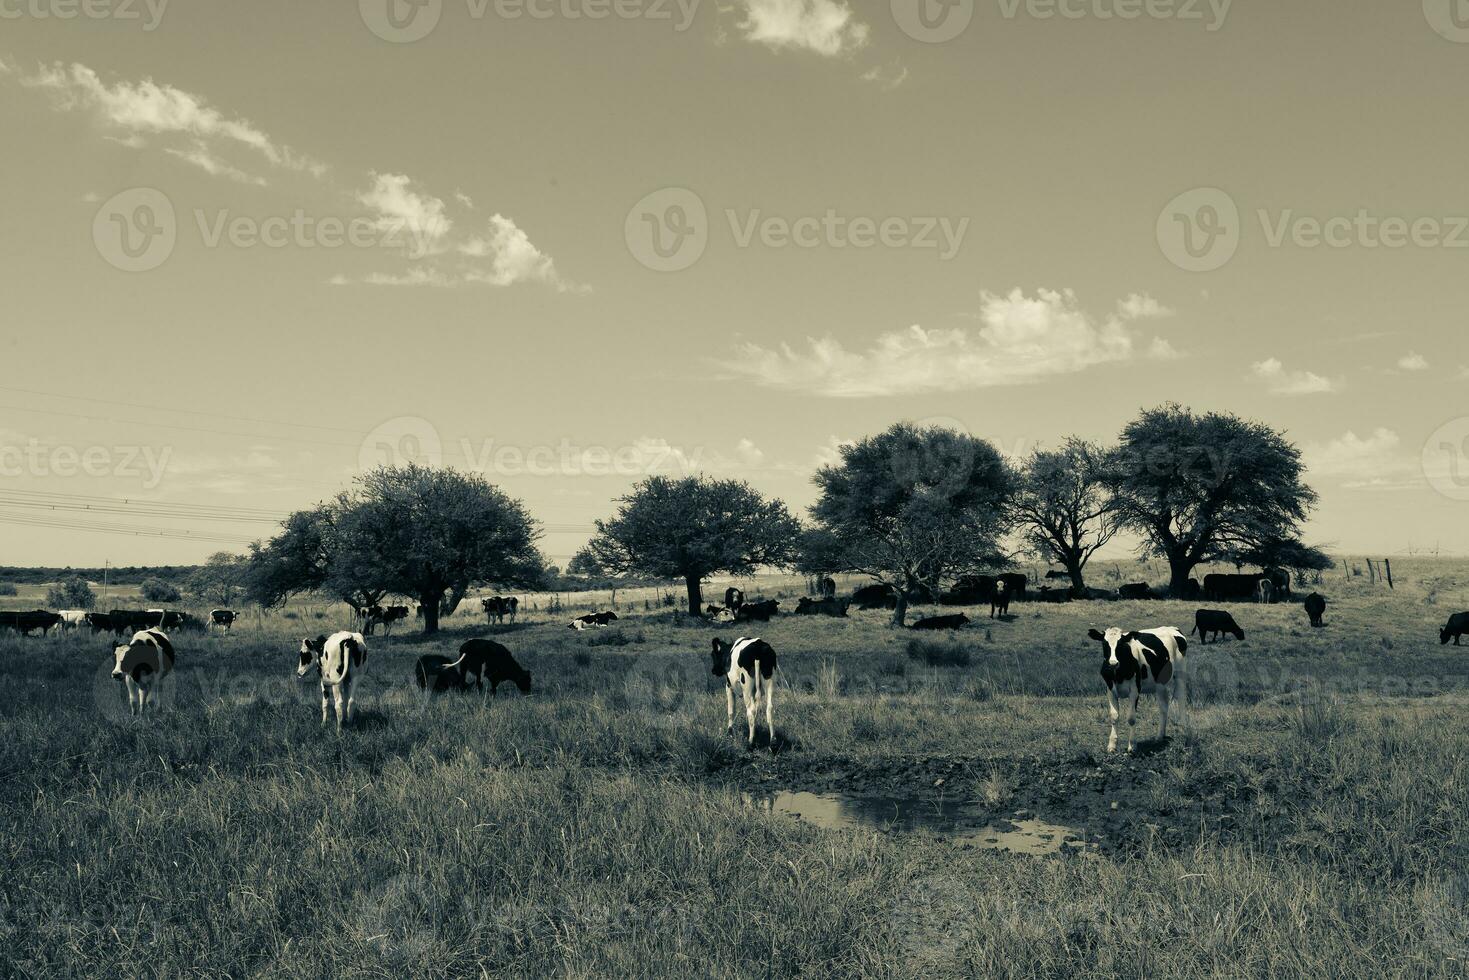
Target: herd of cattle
<point>118,621</point>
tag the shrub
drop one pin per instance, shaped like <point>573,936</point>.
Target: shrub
<point>70,593</point>
<point>7,589</point>
<point>157,590</point>
<point>938,653</point>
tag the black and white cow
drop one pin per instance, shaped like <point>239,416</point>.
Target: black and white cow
<point>1215,621</point>
<point>340,659</point>
<point>1138,662</point>
<point>591,620</point>
<point>1264,591</point>
<point>72,618</point>
<point>1456,627</point>
<point>1000,600</point>
<point>488,659</point>
<point>734,598</point>
<point>141,664</point>
<point>223,618</point>
<point>750,663</point>
<point>498,607</point>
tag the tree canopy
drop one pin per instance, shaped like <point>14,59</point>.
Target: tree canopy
<point>1064,509</point>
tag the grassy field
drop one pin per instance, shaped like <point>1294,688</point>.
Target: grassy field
<point>1314,822</point>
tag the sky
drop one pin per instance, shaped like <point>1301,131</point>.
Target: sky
<point>249,250</point>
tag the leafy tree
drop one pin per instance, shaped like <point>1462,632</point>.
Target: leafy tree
<point>220,579</point>
<point>1064,508</point>
<point>1202,488</point>
<point>1291,555</point>
<point>913,506</point>
<point>157,590</point>
<point>690,529</point>
<point>427,532</point>
<point>71,593</point>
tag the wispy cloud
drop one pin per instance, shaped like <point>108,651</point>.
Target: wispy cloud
<point>200,156</point>
<point>886,77</point>
<point>1376,461</point>
<point>414,218</point>
<point>512,258</point>
<point>827,27</point>
<point>1273,374</point>
<point>1413,361</point>
<point>1023,339</point>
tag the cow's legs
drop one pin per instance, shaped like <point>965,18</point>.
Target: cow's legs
<point>340,702</point>
<point>1112,714</point>
<point>324,697</point>
<point>1163,699</point>
<point>351,686</point>
<point>750,693</point>
<point>770,709</point>
<point>1182,692</point>
<point>1132,715</point>
<point>728,706</point>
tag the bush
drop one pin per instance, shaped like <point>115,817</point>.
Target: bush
<point>7,589</point>
<point>938,653</point>
<point>157,590</point>
<point>71,593</point>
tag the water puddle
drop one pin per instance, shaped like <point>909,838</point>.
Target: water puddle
<point>1020,834</point>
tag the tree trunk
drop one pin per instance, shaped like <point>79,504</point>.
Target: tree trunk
<point>1179,569</point>
<point>900,610</point>
<point>429,602</point>
<point>1073,568</point>
<point>696,595</point>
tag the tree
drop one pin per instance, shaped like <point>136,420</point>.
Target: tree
<point>430,532</point>
<point>913,506</point>
<point>313,553</point>
<point>220,579</point>
<point>71,593</point>
<point>690,529</point>
<point>1064,509</point>
<point>1291,555</point>
<point>1204,488</point>
<point>157,590</point>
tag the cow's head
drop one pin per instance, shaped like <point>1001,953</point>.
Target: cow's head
<point>521,679</point>
<point>311,653</point>
<point>1444,635</point>
<point>721,657</point>
<point>1118,661</point>
<point>135,660</point>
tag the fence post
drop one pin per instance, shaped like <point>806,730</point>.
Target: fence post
<point>1387,563</point>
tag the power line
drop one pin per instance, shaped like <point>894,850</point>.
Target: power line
<point>178,411</point>
<point>131,529</point>
<point>79,499</point>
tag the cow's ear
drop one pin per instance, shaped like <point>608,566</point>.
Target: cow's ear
<point>1095,634</point>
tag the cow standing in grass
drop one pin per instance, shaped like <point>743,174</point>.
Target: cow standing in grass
<point>1140,662</point>
<point>1000,601</point>
<point>749,662</point>
<point>340,659</point>
<point>141,664</point>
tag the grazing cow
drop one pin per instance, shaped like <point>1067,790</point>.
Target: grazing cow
<point>1137,590</point>
<point>24,622</point>
<point>830,606</point>
<point>72,618</point>
<point>1000,601</point>
<point>1215,621</point>
<point>750,663</point>
<point>1456,627</point>
<point>734,598</point>
<point>340,659</point>
<point>488,659</point>
<point>957,621</point>
<point>141,663</point>
<point>1316,608</point>
<point>223,618</point>
<point>828,588</point>
<point>435,673</point>
<point>100,622</point>
<point>1264,591</point>
<point>592,619</point>
<point>761,610</point>
<point>1138,662</point>
<point>497,607</point>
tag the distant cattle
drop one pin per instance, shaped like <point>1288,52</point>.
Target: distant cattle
<point>1000,600</point>
<point>957,621</point>
<point>807,606</point>
<point>1137,590</point>
<point>1456,627</point>
<point>141,664</point>
<point>1053,595</point>
<point>1316,608</point>
<point>733,598</point>
<point>497,608</point>
<point>828,588</point>
<point>223,618</point>
<point>72,618</point>
<point>748,663</point>
<point>100,622</point>
<point>340,660</point>
<point>879,595</point>
<point>385,617</point>
<point>1215,621</point>
<point>1264,591</point>
<point>486,659</point>
<point>1138,662</point>
<point>762,610</point>
<point>25,622</point>
<point>123,620</point>
<point>1219,586</point>
<point>1016,584</point>
<point>1056,573</point>
<point>969,590</point>
<point>591,620</point>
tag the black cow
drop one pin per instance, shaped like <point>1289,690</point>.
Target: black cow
<point>879,595</point>
<point>1015,584</point>
<point>969,590</point>
<point>1456,627</point>
<point>1000,600</point>
<point>1219,586</point>
<point>437,673</point>
<point>24,622</point>
<point>133,620</point>
<point>498,607</point>
<point>488,660</point>
<point>761,610</point>
<point>1215,621</point>
<point>1054,574</point>
<point>100,622</point>
<point>1316,608</point>
<point>1137,590</point>
<point>954,622</point>
<point>828,588</point>
<point>387,617</point>
<point>1053,595</point>
<point>807,606</point>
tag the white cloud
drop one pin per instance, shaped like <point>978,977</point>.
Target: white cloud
<point>1141,306</point>
<point>1350,455</point>
<point>826,27</point>
<point>464,199</point>
<point>1162,350</point>
<point>414,220</point>
<point>200,157</point>
<point>831,453</point>
<point>1413,361</point>
<point>1022,340</point>
<point>749,453</point>
<point>1282,382</point>
<point>512,258</point>
<point>886,77</point>
<point>147,108</point>
<point>417,275</point>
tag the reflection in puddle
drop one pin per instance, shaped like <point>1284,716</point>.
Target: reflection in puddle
<point>956,821</point>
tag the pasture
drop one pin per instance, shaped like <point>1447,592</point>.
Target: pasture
<point>1314,821</point>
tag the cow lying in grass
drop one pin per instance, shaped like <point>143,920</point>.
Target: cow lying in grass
<point>1138,662</point>
<point>591,620</point>
<point>957,621</point>
<point>142,663</point>
<point>340,659</point>
<point>750,663</point>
